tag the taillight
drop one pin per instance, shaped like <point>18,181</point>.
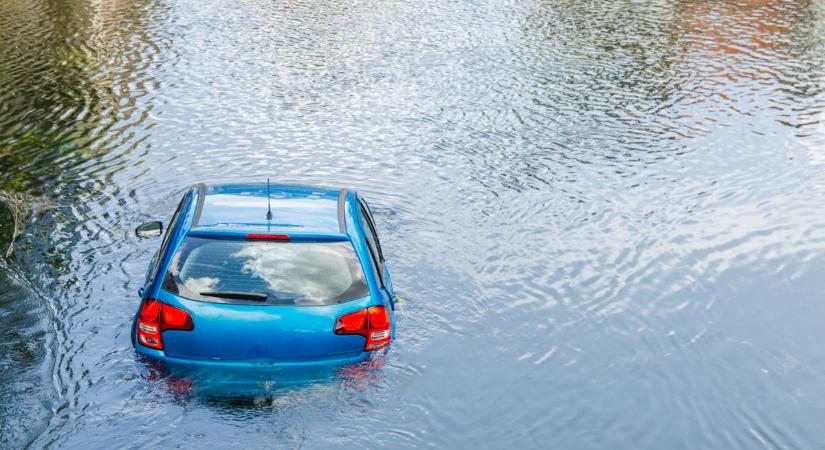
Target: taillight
<point>148,326</point>
<point>157,317</point>
<point>354,323</point>
<point>175,319</point>
<point>373,323</point>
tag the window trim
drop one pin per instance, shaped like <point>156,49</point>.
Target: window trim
<point>371,223</point>
<point>377,264</point>
<point>170,230</point>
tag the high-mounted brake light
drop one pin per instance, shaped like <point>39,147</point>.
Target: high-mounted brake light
<point>268,237</point>
<point>157,317</point>
<point>373,323</point>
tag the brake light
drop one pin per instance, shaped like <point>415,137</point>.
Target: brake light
<point>352,323</point>
<point>175,319</point>
<point>157,317</point>
<point>373,323</point>
<point>268,237</point>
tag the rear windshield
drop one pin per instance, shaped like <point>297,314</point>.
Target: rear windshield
<point>266,272</point>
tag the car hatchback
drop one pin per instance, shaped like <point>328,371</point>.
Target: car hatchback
<point>259,274</point>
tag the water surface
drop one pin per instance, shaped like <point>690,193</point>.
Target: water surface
<point>605,218</point>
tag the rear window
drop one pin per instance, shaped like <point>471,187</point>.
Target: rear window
<point>266,272</point>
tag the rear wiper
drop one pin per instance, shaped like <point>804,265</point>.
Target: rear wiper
<point>238,295</point>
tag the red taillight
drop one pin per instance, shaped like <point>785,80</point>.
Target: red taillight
<point>175,319</point>
<point>354,323</point>
<point>373,323</point>
<point>379,333</point>
<point>268,237</point>
<point>148,326</point>
<point>150,310</point>
<point>156,317</point>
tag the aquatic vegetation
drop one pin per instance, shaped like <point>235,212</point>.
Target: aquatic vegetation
<point>21,208</point>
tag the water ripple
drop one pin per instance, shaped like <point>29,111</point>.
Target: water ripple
<point>603,218</point>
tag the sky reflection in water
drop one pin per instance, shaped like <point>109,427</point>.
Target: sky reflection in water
<point>605,218</point>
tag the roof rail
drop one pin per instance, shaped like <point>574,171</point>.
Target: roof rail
<point>201,194</point>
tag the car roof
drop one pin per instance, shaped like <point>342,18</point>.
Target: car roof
<point>295,209</point>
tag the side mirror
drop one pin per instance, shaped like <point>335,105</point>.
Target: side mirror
<point>149,229</point>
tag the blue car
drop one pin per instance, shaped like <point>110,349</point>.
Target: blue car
<point>253,274</point>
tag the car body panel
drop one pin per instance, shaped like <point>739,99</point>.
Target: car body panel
<point>265,333</point>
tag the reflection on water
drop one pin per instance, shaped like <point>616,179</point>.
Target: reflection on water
<point>258,386</point>
<point>605,217</point>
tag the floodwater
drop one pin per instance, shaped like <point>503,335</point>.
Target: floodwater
<point>606,219</point>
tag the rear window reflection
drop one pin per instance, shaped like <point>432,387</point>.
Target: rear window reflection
<point>265,272</point>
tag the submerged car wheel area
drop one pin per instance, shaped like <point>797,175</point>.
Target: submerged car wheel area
<point>259,274</point>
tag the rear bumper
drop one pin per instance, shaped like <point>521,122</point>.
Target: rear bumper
<point>186,363</point>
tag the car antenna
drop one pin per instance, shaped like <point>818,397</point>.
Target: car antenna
<point>268,205</point>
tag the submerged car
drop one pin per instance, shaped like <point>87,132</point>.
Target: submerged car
<point>259,274</point>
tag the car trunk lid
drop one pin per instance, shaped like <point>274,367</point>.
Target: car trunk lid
<point>261,332</point>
